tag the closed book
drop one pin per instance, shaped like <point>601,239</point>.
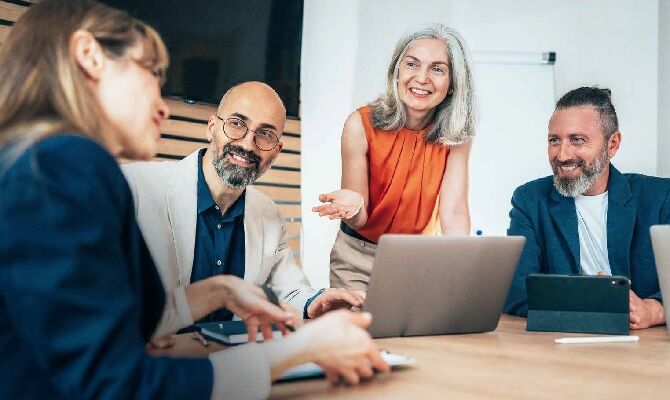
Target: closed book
<point>231,332</point>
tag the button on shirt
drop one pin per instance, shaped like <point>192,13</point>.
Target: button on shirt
<point>219,240</point>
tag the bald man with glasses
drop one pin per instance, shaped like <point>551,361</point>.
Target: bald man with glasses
<point>202,222</point>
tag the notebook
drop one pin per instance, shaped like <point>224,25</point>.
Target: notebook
<point>231,332</point>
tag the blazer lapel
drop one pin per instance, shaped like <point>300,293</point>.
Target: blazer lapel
<point>621,215</point>
<point>253,237</point>
<point>182,213</point>
<point>564,214</point>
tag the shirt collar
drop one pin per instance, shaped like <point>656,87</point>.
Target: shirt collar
<point>205,200</point>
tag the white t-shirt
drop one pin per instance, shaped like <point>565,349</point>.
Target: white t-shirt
<point>592,228</point>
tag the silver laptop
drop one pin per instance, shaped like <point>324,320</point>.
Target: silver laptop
<point>660,240</point>
<point>433,285</point>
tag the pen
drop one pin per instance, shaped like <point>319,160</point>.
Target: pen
<point>597,339</point>
<point>272,297</point>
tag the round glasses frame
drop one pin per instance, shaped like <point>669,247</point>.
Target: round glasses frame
<point>247,130</point>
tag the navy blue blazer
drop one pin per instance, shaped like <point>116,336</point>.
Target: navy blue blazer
<point>549,223</point>
<point>79,293</point>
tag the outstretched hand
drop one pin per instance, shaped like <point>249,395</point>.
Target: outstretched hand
<point>334,299</point>
<point>340,204</point>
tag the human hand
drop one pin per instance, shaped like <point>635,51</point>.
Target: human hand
<point>339,343</point>
<point>249,303</point>
<point>160,343</point>
<point>334,299</point>
<point>644,313</point>
<point>341,204</point>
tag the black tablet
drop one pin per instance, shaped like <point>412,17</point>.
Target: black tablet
<point>576,303</point>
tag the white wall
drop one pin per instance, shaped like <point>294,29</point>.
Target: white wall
<point>664,89</point>
<point>330,41</point>
<point>612,43</point>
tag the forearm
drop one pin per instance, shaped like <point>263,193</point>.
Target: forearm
<point>207,296</point>
<point>455,222</point>
<point>358,220</point>
<point>242,372</point>
<point>286,354</point>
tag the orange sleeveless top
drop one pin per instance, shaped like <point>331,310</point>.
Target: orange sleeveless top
<point>404,178</point>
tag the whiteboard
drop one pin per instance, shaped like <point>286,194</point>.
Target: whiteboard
<point>515,102</point>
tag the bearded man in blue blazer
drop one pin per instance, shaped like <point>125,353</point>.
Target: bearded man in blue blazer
<point>588,218</point>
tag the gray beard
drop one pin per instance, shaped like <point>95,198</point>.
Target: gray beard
<point>234,176</point>
<point>573,187</point>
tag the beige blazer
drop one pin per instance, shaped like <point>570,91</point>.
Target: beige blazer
<point>165,195</point>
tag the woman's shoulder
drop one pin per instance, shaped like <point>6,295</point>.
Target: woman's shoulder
<point>364,110</point>
<point>72,146</point>
<point>354,127</point>
<point>68,160</point>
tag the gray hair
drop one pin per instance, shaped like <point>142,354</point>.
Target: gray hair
<point>455,117</point>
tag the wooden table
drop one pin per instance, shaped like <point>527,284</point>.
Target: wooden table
<point>509,363</point>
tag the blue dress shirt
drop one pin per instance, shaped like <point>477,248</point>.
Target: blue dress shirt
<point>219,240</point>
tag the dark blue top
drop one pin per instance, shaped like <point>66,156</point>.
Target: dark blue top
<point>219,240</point>
<point>549,223</point>
<point>79,293</point>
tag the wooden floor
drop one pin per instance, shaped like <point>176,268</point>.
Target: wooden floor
<point>509,363</point>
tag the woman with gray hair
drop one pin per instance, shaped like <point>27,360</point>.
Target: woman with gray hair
<point>395,174</point>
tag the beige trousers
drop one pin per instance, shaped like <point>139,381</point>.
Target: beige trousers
<point>351,262</point>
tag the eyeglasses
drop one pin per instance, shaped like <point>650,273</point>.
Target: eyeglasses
<point>236,129</point>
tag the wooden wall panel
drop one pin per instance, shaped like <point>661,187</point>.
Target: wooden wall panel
<point>4,32</point>
<point>290,211</point>
<point>290,142</point>
<point>11,11</point>
<point>281,177</point>
<point>178,147</point>
<point>288,160</point>
<point>293,126</point>
<point>197,111</point>
<point>279,194</point>
<point>194,130</point>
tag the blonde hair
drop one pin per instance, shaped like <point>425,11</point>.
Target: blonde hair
<point>43,91</point>
<point>455,118</point>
